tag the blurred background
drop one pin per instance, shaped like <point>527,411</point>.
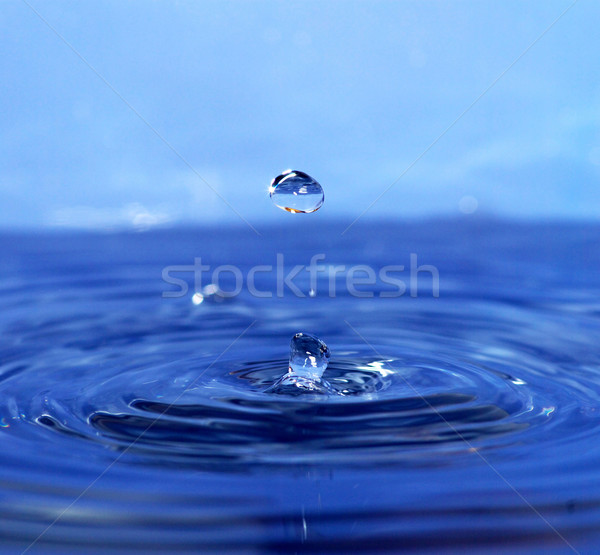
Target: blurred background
<point>349,92</point>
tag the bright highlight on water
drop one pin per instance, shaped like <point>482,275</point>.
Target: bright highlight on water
<point>296,192</point>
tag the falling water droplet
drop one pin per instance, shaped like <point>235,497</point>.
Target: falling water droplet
<point>296,192</point>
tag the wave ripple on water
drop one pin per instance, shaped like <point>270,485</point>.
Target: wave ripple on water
<point>467,421</point>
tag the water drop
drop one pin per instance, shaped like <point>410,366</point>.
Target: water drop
<point>296,192</point>
<point>309,357</point>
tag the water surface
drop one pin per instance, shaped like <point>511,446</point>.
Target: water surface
<point>467,422</point>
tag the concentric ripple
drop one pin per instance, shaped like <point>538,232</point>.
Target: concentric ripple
<point>409,407</point>
<point>143,424</point>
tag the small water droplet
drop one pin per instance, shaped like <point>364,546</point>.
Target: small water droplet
<point>309,356</point>
<point>296,192</point>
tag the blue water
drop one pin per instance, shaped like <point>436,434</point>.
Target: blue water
<point>464,422</point>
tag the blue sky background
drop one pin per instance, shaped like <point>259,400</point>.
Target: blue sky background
<point>350,92</point>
